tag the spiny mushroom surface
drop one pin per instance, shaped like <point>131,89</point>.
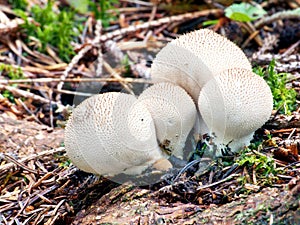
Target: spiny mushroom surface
<point>174,114</point>
<point>194,58</point>
<point>233,105</point>
<point>112,133</point>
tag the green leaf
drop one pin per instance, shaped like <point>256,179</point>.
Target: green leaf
<point>210,22</point>
<point>80,5</point>
<point>244,12</point>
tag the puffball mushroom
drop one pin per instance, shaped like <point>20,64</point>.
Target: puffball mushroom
<point>232,101</point>
<point>194,58</point>
<point>233,105</point>
<point>112,133</point>
<point>174,114</point>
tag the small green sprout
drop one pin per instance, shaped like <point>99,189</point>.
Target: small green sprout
<point>244,12</point>
<point>209,22</point>
<point>125,62</point>
<point>284,98</point>
<point>65,164</point>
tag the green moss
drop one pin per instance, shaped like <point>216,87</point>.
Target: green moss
<point>18,4</point>
<point>264,167</point>
<point>284,98</point>
<point>99,9</point>
<point>13,74</point>
<point>50,27</point>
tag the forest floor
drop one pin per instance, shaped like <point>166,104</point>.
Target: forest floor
<point>39,185</point>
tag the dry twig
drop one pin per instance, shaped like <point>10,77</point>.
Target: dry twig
<point>77,80</point>
<point>288,14</point>
<point>4,168</point>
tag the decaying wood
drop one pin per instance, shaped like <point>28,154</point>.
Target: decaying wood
<point>131,205</point>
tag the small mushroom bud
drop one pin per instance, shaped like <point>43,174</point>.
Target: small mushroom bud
<point>174,114</point>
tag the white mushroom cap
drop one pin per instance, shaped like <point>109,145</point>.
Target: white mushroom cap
<point>174,114</point>
<point>233,105</point>
<point>112,133</point>
<point>194,58</point>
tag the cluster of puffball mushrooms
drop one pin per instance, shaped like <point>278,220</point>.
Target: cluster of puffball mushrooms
<point>202,81</point>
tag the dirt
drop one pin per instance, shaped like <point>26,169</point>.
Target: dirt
<point>22,138</point>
